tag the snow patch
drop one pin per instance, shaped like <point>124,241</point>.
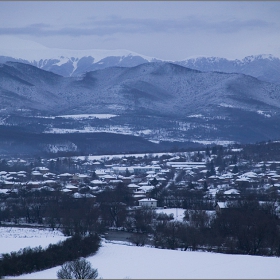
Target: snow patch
<point>217,142</point>
<point>62,60</point>
<point>178,213</point>
<point>89,129</point>
<point>62,147</point>
<point>88,116</point>
<point>264,114</point>
<point>226,105</point>
<point>196,116</point>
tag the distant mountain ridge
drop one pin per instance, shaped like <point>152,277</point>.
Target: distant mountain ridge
<point>264,67</point>
<point>75,63</point>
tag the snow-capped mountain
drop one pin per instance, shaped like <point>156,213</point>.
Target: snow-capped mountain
<point>264,67</point>
<point>77,62</point>
<point>68,66</point>
<point>67,62</point>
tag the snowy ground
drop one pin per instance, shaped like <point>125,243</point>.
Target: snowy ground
<point>178,213</point>
<point>88,116</point>
<point>14,239</point>
<point>109,157</point>
<point>119,261</point>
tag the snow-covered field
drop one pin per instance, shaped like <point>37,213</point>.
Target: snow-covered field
<point>14,239</point>
<point>89,129</point>
<point>88,116</point>
<point>121,260</point>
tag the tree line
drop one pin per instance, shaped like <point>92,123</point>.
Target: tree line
<point>29,260</point>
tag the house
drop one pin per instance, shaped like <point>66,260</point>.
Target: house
<point>146,188</point>
<point>34,184</point>
<point>71,187</point>
<point>132,187</point>
<point>107,178</point>
<point>139,194</point>
<point>49,183</point>
<point>125,180</point>
<point>36,175</point>
<point>42,169</point>
<point>98,183</point>
<point>149,202</point>
<point>76,178</point>
<point>232,193</point>
<point>65,177</point>
<point>88,196</point>
<point>220,206</point>
<point>7,185</point>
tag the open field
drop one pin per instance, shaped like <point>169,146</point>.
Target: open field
<point>120,260</point>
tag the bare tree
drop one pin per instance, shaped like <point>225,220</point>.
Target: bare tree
<point>77,269</point>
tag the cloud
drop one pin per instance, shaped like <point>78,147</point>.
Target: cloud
<point>114,25</point>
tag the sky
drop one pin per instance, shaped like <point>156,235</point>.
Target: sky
<point>168,30</point>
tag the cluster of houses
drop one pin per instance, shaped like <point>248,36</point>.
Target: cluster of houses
<point>142,179</point>
<point>40,178</point>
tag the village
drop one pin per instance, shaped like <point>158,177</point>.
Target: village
<point>156,180</point>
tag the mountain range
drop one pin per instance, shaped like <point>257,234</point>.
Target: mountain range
<point>157,101</point>
<point>263,67</point>
<point>60,98</point>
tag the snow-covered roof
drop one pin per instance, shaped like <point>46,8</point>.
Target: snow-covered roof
<point>65,175</point>
<point>222,204</point>
<point>250,174</point>
<point>36,173</point>
<point>66,190</point>
<point>34,183</point>
<point>86,195</point>
<point>148,200</point>
<point>97,182</point>
<point>243,179</point>
<point>82,175</point>
<point>42,168</point>
<point>146,188</point>
<point>70,186</point>
<point>232,191</point>
<point>4,190</point>
<point>107,176</point>
<point>47,188</point>
<point>132,186</point>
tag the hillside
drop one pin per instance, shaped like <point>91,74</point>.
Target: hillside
<point>159,88</point>
<point>157,101</point>
<point>143,263</point>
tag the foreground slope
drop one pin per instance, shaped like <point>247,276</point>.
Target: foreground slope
<point>115,261</point>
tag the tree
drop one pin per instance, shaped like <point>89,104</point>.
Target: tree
<point>77,269</point>
<point>143,218</point>
<point>235,169</point>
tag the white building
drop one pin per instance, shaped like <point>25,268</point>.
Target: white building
<point>149,202</point>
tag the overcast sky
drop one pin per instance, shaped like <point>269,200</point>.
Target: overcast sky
<point>168,30</point>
